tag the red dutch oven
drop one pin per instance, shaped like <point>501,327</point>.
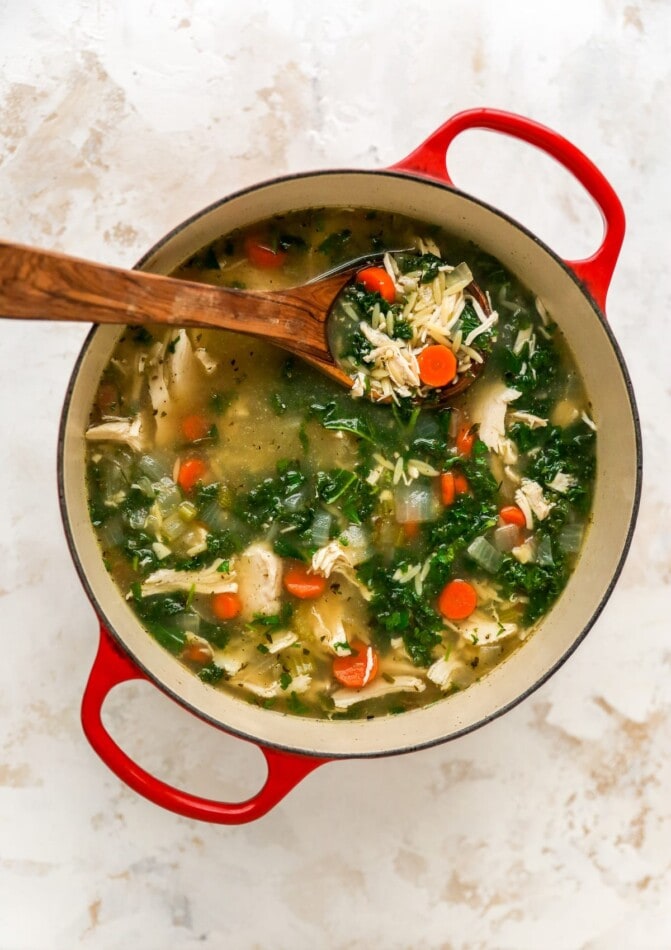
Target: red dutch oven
<point>574,292</point>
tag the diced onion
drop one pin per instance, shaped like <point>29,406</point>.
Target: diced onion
<point>321,528</point>
<point>296,502</point>
<point>145,485</point>
<point>169,496</point>
<point>152,467</point>
<point>173,527</point>
<point>457,279</point>
<point>544,552</point>
<point>485,554</point>
<point>357,543</point>
<point>416,502</point>
<point>187,622</point>
<point>570,538</point>
<point>214,516</point>
<point>506,537</point>
<point>112,533</point>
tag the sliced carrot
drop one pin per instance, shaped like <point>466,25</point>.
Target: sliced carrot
<point>195,427</point>
<point>260,255</point>
<point>226,606</point>
<point>377,279</point>
<point>196,652</point>
<point>460,483</point>
<point>107,397</point>
<point>511,514</point>
<point>437,365</point>
<point>448,489</point>
<point>457,600</point>
<point>302,583</point>
<point>465,441</point>
<point>358,668</point>
<point>190,473</point>
<point>410,530</point>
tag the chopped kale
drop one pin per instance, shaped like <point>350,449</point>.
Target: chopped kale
<point>570,450</point>
<point>142,335</point>
<point>335,245</point>
<point>396,610</point>
<point>291,242</point>
<point>211,673</point>
<point>426,264</point>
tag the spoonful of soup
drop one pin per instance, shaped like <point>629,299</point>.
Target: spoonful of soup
<point>390,326</point>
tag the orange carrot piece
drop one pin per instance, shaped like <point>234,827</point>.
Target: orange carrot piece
<point>195,427</point>
<point>511,514</point>
<point>448,488</point>
<point>460,483</point>
<point>260,255</point>
<point>465,441</point>
<point>196,652</point>
<point>226,606</point>
<point>358,668</point>
<point>190,473</point>
<point>437,365</point>
<point>457,600</point>
<point>107,397</point>
<point>377,279</point>
<point>302,583</point>
<point>410,530</point>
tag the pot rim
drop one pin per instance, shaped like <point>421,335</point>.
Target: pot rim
<point>578,638</point>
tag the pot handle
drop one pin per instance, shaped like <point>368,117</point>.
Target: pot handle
<point>112,667</point>
<point>430,160</point>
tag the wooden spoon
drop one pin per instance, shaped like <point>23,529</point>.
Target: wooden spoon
<point>44,285</point>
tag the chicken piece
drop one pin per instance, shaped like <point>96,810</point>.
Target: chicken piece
<point>481,628</point>
<point>529,419</point>
<point>130,432</point>
<point>530,498</point>
<point>209,363</point>
<point>333,558</point>
<point>562,482</point>
<point>208,580</point>
<point>173,371</point>
<point>259,575</point>
<point>489,410</point>
<point>443,672</point>
<point>344,698</point>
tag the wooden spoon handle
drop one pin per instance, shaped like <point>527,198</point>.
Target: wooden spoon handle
<point>43,285</point>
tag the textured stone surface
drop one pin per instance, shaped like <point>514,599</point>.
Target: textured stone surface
<point>551,827</point>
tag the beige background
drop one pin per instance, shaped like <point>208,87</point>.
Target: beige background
<point>550,827</point>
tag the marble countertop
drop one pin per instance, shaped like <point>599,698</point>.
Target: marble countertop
<point>550,827</point>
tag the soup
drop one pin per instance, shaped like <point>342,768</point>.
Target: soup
<point>319,554</point>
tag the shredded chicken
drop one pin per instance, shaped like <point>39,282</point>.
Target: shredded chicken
<point>443,671</point>
<point>208,580</point>
<point>344,698</point>
<point>131,432</point>
<point>334,558</point>
<point>530,498</point>
<point>529,419</point>
<point>481,628</point>
<point>562,482</point>
<point>259,573</point>
<point>489,410</point>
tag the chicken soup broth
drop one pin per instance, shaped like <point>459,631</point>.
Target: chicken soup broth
<point>316,553</point>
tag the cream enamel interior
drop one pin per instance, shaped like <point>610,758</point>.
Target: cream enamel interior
<point>616,489</point>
